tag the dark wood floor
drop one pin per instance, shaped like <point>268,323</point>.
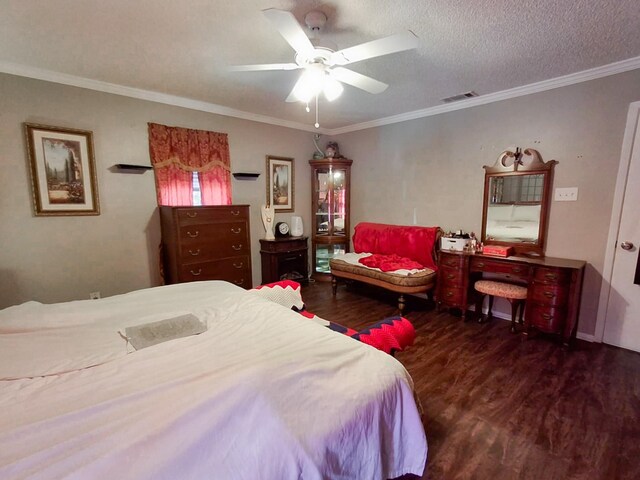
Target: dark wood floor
<point>497,407</point>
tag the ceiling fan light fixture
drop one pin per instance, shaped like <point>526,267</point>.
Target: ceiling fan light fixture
<point>310,84</point>
<point>332,88</point>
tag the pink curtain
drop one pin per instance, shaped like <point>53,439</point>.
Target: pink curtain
<point>178,152</point>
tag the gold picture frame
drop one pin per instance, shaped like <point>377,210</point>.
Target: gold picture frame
<point>280,183</point>
<point>63,170</point>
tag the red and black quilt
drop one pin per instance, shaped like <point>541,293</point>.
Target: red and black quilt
<point>391,335</point>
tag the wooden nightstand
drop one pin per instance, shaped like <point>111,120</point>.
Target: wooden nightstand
<point>284,258</point>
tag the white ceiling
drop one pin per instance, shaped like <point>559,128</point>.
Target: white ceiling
<point>182,48</point>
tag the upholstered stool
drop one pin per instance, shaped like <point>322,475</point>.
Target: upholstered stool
<point>516,294</point>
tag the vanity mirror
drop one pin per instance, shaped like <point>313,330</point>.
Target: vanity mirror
<point>516,201</point>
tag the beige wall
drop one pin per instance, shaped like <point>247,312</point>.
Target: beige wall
<point>434,165</point>
<point>52,259</point>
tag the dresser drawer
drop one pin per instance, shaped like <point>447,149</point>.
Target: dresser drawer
<point>235,270</point>
<point>451,277</point>
<point>279,246</point>
<point>479,264</point>
<point>552,275</point>
<point>547,319</point>
<point>195,215</point>
<point>213,250</point>
<point>451,260</point>
<point>548,294</point>
<point>451,295</point>
<point>204,250</point>
<point>227,232</point>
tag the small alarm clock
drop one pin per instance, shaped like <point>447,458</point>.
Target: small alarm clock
<point>282,229</point>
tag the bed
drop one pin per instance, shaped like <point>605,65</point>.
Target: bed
<point>263,393</point>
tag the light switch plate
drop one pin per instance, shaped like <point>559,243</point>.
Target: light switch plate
<point>568,194</point>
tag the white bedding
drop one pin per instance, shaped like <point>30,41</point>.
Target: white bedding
<point>263,394</point>
<point>510,230</point>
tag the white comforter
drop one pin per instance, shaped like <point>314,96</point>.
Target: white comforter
<point>263,394</point>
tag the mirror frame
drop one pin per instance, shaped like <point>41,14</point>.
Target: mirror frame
<point>511,163</point>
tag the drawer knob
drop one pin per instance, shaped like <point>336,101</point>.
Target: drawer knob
<point>551,276</point>
<point>546,316</point>
<point>194,234</point>
<point>235,213</point>
<point>449,294</point>
<point>238,265</point>
<point>195,274</point>
<point>192,214</point>
<point>450,276</point>
<point>236,230</point>
<point>237,247</point>
<point>239,282</point>
<point>549,294</point>
<point>517,270</point>
<point>480,265</point>
<point>196,253</point>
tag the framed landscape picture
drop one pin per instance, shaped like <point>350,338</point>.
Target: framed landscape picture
<point>63,170</point>
<point>280,184</point>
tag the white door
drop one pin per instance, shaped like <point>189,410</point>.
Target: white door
<point>622,320</point>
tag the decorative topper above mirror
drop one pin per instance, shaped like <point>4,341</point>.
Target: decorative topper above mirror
<point>516,201</point>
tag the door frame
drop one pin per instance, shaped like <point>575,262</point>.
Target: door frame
<point>626,156</point>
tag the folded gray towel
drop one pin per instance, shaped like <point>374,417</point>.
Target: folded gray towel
<point>148,334</point>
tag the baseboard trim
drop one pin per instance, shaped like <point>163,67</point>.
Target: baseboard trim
<point>507,316</point>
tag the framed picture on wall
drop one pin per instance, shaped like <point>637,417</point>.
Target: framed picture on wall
<point>63,170</point>
<point>280,183</point>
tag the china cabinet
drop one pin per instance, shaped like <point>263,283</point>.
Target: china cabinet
<point>331,189</point>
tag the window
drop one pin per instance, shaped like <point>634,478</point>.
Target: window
<point>196,196</point>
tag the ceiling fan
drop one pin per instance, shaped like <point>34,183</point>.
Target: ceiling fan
<point>323,67</point>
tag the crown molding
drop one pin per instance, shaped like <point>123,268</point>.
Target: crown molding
<point>571,79</point>
<point>149,95</point>
<point>72,80</point>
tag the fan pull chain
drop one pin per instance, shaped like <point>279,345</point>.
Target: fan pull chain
<point>317,124</point>
<point>307,109</point>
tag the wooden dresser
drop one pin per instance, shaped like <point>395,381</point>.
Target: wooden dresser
<point>554,287</point>
<point>206,243</point>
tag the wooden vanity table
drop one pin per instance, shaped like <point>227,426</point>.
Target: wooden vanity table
<point>554,287</point>
<point>517,191</point>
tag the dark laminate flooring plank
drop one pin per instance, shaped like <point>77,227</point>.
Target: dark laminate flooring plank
<point>498,407</point>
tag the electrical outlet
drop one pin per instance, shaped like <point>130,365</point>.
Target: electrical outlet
<point>569,194</point>
<point>94,295</point>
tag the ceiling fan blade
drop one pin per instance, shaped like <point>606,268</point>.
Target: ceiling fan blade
<point>358,80</point>
<point>291,30</point>
<point>376,48</point>
<point>264,66</point>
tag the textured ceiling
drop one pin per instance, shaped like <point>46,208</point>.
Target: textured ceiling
<point>183,47</point>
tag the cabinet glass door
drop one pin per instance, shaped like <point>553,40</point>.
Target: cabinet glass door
<point>321,192</point>
<point>339,208</point>
<point>324,253</point>
<point>330,191</point>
